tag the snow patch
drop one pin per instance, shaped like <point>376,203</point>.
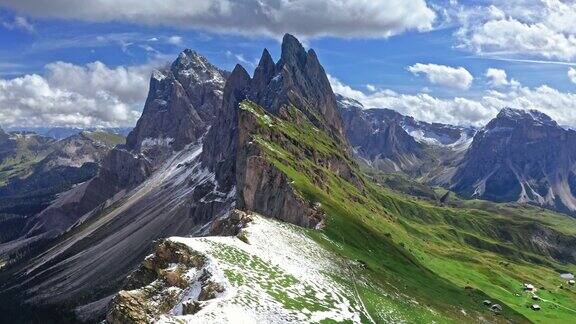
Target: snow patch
<point>280,276</point>
<point>160,141</point>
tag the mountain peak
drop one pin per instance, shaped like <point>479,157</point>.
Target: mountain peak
<point>297,79</point>
<point>292,51</point>
<point>521,115</point>
<point>181,103</point>
<point>189,56</point>
<point>266,62</point>
<point>239,72</point>
<point>191,65</point>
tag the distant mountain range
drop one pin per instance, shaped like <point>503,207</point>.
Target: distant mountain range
<point>63,132</point>
<point>267,198</point>
<point>520,156</point>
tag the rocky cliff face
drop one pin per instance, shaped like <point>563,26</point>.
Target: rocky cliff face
<point>221,143</point>
<point>521,156</point>
<point>261,186</point>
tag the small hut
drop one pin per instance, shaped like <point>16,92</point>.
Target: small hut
<point>529,287</point>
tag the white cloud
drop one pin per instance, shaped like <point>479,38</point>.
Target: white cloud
<point>370,88</point>
<point>544,29</point>
<point>19,22</point>
<point>308,18</point>
<point>448,76</point>
<point>561,106</point>
<point>175,40</point>
<point>572,74</point>
<point>72,95</point>
<point>498,78</point>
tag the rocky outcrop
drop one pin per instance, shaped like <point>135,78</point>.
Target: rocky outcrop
<point>163,281</point>
<point>230,225</point>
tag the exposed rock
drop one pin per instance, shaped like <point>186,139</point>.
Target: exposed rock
<point>161,283</point>
<point>296,80</point>
<point>496,308</point>
<point>210,289</point>
<point>300,80</point>
<point>191,307</point>
<point>125,169</point>
<point>231,224</point>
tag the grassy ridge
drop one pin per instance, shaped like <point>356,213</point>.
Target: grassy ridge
<point>438,262</point>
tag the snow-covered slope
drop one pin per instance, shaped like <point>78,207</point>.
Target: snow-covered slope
<point>272,272</point>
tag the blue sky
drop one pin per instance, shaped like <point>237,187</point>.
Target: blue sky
<point>371,64</point>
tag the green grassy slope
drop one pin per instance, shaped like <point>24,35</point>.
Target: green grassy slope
<point>438,262</point>
<point>105,138</point>
<point>19,159</point>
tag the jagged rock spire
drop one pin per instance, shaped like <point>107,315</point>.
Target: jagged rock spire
<point>296,79</point>
<point>181,104</point>
<point>264,72</point>
<point>300,80</point>
<point>293,53</point>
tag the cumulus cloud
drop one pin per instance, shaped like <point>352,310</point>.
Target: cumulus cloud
<point>544,29</point>
<point>572,74</point>
<point>309,18</point>
<point>468,111</point>
<point>458,78</point>
<point>72,95</point>
<point>498,78</point>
